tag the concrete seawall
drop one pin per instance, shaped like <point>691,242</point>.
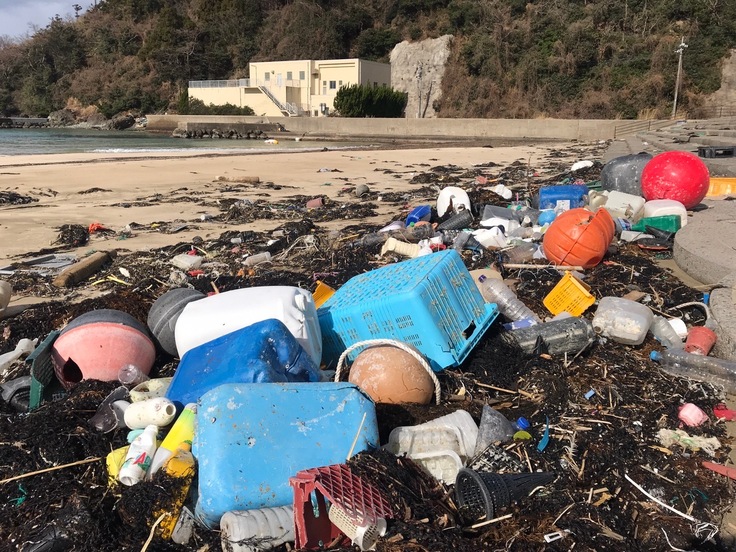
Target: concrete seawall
<point>585,130</point>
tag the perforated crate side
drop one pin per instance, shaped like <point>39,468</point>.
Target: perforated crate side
<point>429,302</point>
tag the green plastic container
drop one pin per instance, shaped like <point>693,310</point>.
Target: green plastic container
<point>667,223</point>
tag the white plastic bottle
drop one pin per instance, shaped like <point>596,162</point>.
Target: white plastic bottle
<point>496,291</point>
<point>159,412</point>
<point>261,529</point>
<point>139,457</point>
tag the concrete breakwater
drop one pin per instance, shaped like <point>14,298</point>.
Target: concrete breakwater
<point>23,122</point>
<point>408,129</point>
<point>231,131</point>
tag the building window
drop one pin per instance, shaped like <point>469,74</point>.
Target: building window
<point>302,75</point>
<point>267,77</point>
<point>316,113</point>
<point>288,75</point>
<point>333,85</point>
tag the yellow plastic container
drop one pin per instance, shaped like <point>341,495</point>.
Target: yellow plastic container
<point>322,293</point>
<point>114,462</point>
<point>569,295</point>
<point>721,187</point>
<point>180,466</point>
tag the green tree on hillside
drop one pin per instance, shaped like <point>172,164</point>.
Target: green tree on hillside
<point>370,101</point>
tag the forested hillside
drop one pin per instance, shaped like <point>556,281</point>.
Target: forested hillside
<point>510,58</point>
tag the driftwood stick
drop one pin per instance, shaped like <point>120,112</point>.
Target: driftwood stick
<point>46,470</point>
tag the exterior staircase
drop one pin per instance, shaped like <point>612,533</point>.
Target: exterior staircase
<point>289,110</point>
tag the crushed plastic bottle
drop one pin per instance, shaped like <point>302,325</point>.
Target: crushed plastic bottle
<point>566,335</point>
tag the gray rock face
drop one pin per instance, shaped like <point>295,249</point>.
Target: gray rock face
<point>417,69</point>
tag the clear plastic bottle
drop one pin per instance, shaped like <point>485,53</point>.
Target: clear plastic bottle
<point>678,362</point>
<point>130,375</point>
<point>521,252</point>
<point>665,333</point>
<point>258,258</point>
<point>496,291</point>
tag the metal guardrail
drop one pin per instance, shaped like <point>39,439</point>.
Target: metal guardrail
<point>220,83</point>
<point>627,128</point>
<point>713,112</point>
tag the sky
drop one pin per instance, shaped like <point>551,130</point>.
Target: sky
<point>17,16</point>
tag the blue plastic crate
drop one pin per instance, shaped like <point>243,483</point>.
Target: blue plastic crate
<point>430,302</point>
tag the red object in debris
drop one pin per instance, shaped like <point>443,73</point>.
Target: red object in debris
<point>361,502</point>
<point>678,175</point>
<point>700,340</point>
<point>579,237</point>
<point>720,468</point>
<point>196,272</point>
<point>721,411</point>
<point>95,226</point>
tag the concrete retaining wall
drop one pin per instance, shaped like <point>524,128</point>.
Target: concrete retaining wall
<point>514,129</point>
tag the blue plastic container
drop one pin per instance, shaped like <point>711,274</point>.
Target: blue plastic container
<point>251,438</point>
<point>566,197</point>
<point>262,352</point>
<point>423,212</point>
<point>430,302</point>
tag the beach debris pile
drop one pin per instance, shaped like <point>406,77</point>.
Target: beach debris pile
<point>472,375</point>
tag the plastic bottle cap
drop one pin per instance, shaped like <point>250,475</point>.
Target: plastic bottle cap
<point>655,355</point>
<point>522,423</point>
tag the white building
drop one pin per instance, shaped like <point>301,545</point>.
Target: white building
<point>292,88</point>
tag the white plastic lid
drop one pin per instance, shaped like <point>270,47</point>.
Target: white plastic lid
<point>679,326</point>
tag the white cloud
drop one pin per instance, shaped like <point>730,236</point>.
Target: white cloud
<point>17,16</point>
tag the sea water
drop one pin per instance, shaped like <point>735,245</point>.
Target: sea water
<point>73,140</point>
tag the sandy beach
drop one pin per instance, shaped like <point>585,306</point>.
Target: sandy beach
<point>119,189</point>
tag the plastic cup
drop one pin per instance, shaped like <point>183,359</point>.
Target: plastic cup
<point>700,340</point>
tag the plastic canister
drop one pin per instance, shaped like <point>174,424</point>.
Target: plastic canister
<point>622,320</point>
<point>453,198</point>
<point>422,212</point>
<point>255,530</point>
<point>214,316</point>
<point>623,205</point>
<point>563,197</point>
<point>666,223</point>
<point>263,352</point>
<point>663,207</point>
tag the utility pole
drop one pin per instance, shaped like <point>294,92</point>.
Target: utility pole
<point>679,51</point>
<point>420,69</point>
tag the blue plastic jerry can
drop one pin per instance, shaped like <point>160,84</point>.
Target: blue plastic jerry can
<point>263,352</point>
<point>250,439</point>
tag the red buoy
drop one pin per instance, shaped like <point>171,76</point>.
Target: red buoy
<point>678,175</point>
